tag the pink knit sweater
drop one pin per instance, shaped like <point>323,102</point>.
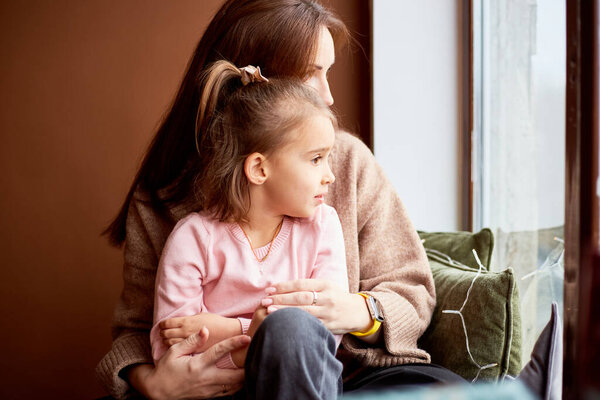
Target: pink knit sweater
<point>384,257</point>
<point>208,266</point>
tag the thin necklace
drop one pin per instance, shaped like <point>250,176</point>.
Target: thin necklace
<point>270,243</point>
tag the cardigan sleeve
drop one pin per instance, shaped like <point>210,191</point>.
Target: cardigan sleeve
<point>147,231</point>
<point>392,263</point>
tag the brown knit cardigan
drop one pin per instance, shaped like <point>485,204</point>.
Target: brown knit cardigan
<point>384,255</point>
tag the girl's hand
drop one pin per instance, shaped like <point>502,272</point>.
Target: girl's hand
<point>179,375</point>
<point>239,356</point>
<point>175,330</point>
<point>257,318</point>
<point>341,312</point>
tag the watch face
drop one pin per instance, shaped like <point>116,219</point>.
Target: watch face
<point>374,309</point>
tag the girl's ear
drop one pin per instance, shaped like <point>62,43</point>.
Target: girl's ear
<point>255,168</point>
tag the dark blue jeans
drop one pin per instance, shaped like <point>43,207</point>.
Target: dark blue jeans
<point>292,356</point>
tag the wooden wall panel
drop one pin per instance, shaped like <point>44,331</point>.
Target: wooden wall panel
<point>84,86</point>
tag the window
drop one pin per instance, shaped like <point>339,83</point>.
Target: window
<point>518,146</point>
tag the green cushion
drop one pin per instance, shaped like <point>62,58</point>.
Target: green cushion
<point>492,319</point>
<point>458,246</point>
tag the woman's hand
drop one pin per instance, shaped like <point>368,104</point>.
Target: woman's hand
<point>341,312</point>
<point>181,374</point>
<point>175,330</point>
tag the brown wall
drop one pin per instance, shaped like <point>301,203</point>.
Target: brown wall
<point>83,87</point>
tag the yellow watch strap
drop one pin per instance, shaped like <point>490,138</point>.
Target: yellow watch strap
<point>374,328</point>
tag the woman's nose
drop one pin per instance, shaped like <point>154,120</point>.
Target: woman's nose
<point>326,94</point>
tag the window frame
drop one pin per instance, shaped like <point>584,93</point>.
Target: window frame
<point>582,269</point>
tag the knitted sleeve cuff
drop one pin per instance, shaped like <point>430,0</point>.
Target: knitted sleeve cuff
<point>126,350</point>
<point>226,362</point>
<point>402,326</point>
<point>245,322</point>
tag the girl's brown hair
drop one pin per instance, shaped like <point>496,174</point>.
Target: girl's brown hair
<point>238,120</point>
<point>280,36</point>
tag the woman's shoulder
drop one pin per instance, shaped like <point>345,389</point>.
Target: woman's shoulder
<point>352,161</point>
<point>348,143</point>
<point>350,152</point>
<point>144,199</point>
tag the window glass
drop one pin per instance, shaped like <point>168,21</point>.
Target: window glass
<point>519,146</point>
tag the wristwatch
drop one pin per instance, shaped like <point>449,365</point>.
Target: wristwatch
<point>376,315</point>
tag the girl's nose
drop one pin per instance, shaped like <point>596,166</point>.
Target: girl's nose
<point>328,178</point>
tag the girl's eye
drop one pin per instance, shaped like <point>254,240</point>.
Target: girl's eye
<point>316,160</point>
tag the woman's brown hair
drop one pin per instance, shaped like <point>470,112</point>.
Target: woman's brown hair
<point>237,120</point>
<point>280,36</point>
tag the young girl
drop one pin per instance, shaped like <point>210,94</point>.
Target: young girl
<point>261,181</point>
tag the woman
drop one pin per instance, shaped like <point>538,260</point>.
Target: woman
<point>385,260</point>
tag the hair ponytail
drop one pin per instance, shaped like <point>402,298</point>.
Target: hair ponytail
<point>219,76</point>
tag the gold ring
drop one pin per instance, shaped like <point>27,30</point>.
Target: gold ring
<point>315,297</point>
